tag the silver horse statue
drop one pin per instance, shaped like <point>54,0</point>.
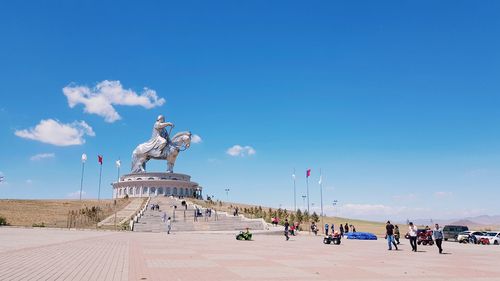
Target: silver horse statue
<point>160,147</point>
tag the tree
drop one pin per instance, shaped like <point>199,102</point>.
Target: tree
<point>306,216</point>
<point>263,215</point>
<point>299,216</point>
<point>279,214</point>
<point>315,217</point>
<point>292,217</point>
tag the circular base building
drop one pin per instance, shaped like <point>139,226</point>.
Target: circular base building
<point>156,184</point>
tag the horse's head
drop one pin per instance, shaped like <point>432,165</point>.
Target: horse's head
<point>182,140</point>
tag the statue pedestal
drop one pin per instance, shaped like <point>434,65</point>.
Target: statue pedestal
<point>156,184</point>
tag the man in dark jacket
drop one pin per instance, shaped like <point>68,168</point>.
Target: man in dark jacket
<point>287,225</point>
<point>389,235</point>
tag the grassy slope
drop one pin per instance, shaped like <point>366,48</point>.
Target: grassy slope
<point>377,228</point>
<point>53,213</point>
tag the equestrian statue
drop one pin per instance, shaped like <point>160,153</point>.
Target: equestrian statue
<point>160,146</point>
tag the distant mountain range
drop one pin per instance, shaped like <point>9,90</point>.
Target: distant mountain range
<point>478,221</point>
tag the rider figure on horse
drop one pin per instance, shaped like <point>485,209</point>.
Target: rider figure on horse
<point>160,135</point>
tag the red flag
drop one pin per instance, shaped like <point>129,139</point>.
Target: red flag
<point>308,173</point>
<point>99,158</point>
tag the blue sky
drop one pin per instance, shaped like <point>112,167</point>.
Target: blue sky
<point>396,101</point>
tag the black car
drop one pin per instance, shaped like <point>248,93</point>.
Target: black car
<point>452,231</point>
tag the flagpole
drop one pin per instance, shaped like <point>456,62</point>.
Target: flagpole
<point>118,164</point>
<point>321,194</point>
<point>99,193</point>
<point>294,192</point>
<point>307,184</point>
<point>84,158</point>
<point>321,190</point>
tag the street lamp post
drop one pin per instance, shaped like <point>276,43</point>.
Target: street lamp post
<point>304,201</point>
<point>294,192</point>
<point>227,194</point>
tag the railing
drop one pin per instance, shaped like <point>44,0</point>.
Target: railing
<point>135,217</point>
<point>84,217</point>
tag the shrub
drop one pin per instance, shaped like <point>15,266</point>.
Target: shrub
<point>3,221</point>
<point>42,224</point>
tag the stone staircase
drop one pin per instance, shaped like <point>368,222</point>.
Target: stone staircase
<point>151,221</point>
<point>124,215</point>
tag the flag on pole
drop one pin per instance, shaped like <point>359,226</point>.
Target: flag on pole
<point>99,158</point>
<point>84,157</point>
<point>293,176</point>
<point>308,173</point>
<point>118,163</point>
<point>320,179</point>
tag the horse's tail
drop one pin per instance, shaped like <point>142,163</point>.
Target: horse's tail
<point>134,161</point>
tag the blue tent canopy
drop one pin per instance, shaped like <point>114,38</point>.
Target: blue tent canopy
<point>360,235</point>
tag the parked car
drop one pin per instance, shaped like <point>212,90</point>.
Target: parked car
<point>452,231</point>
<point>494,237</point>
<point>465,237</point>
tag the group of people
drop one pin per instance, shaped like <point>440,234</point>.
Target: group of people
<point>393,234</point>
<point>330,229</point>
<point>155,207</point>
<point>291,229</point>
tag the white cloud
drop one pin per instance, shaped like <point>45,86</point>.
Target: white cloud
<point>76,194</point>
<point>404,197</point>
<point>104,95</point>
<point>477,172</point>
<point>196,139</point>
<point>53,132</point>
<point>378,212</point>
<point>41,156</point>
<point>442,194</point>
<point>238,150</point>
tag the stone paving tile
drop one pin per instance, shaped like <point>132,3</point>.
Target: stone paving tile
<point>81,259</point>
<point>32,254</point>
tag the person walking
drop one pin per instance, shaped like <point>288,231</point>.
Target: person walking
<point>397,234</point>
<point>412,232</point>
<point>326,229</point>
<point>437,235</point>
<point>346,228</point>
<point>314,228</point>
<point>341,230</point>
<point>287,225</point>
<point>389,235</point>
<point>169,225</point>
<point>332,228</point>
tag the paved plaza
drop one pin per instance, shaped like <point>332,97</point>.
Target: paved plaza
<point>52,254</point>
